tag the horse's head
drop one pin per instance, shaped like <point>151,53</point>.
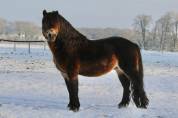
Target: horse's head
<point>50,25</point>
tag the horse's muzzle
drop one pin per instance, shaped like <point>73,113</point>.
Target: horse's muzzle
<point>51,35</point>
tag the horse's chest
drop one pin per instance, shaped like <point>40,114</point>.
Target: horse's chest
<point>60,63</point>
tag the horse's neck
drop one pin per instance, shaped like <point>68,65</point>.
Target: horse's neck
<point>72,35</point>
<point>69,40</point>
<point>56,46</point>
<point>73,40</point>
<point>69,35</point>
<point>52,47</point>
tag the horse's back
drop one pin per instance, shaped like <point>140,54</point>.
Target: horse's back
<point>118,41</point>
<point>126,51</point>
<point>118,44</point>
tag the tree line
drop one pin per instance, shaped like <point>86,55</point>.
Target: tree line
<point>160,34</point>
<point>21,29</point>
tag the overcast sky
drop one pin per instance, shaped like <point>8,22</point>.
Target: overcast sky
<point>87,13</point>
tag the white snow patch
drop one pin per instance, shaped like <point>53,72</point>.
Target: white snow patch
<point>31,87</point>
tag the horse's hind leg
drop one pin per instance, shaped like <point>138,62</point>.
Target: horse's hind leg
<point>126,88</point>
<point>138,92</point>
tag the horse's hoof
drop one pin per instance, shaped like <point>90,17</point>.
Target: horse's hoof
<point>143,106</point>
<point>73,107</point>
<point>123,104</point>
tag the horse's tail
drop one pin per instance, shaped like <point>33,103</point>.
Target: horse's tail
<point>140,69</point>
<point>137,84</point>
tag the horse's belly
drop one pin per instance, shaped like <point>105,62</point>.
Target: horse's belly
<point>99,67</point>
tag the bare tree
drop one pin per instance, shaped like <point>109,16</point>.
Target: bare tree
<point>141,23</point>
<point>175,28</point>
<point>164,29</point>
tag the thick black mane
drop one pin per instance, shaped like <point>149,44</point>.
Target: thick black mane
<point>69,35</point>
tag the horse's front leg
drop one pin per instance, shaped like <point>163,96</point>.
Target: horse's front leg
<point>71,80</point>
<point>74,103</point>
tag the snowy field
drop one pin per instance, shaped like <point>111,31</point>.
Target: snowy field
<point>31,87</point>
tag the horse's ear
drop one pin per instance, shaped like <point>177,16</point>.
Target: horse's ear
<point>44,12</point>
<point>57,12</point>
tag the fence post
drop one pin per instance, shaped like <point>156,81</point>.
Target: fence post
<point>14,46</point>
<point>15,42</point>
<point>44,45</point>
<point>29,47</point>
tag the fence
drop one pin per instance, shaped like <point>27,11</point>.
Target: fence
<point>15,42</point>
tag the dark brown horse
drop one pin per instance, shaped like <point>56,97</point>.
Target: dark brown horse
<point>74,54</point>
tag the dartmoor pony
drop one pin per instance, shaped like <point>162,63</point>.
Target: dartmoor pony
<point>74,54</point>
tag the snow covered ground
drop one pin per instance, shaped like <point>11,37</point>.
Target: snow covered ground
<point>31,87</point>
